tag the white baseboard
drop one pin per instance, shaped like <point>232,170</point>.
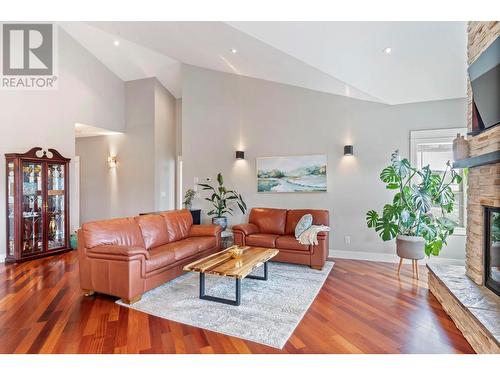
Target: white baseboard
<point>389,258</point>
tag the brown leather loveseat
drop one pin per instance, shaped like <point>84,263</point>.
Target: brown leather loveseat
<point>275,228</point>
<point>129,256</point>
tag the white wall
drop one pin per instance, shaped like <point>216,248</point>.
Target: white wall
<point>165,148</point>
<point>87,93</point>
<point>144,179</point>
<point>222,113</point>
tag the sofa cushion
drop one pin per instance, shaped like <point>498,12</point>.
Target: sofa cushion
<point>320,217</point>
<point>178,223</point>
<point>291,243</point>
<point>153,229</point>
<point>202,243</point>
<point>160,257</point>
<point>261,240</point>
<point>269,220</point>
<point>183,249</point>
<point>120,232</point>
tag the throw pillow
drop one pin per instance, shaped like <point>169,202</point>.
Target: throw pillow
<point>304,223</point>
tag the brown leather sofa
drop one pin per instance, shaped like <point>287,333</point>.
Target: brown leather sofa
<point>275,228</point>
<point>129,256</point>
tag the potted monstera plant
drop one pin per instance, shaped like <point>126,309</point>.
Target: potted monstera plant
<point>222,199</point>
<point>418,214</point>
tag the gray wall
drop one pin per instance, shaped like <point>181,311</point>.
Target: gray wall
<point>144,178</point>
<point>87,92</point>
<point>222,113</point>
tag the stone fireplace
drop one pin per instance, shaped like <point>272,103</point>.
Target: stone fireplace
<point>483,191</point>
<point>473,307</point>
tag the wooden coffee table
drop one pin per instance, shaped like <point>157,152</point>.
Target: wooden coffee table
<point>222,264</point>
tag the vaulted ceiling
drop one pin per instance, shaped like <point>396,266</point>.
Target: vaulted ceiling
<point>427,60</point>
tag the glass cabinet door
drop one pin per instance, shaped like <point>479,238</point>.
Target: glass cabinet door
<point>56,233</point>
<point>32,201</point>
<point>10,208</point>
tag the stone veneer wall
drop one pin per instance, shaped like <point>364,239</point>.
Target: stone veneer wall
<point>484,181</point>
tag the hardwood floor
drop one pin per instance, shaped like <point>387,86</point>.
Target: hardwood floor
<point>362,308</point>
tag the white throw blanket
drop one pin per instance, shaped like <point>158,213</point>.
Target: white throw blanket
<point>310,235</point>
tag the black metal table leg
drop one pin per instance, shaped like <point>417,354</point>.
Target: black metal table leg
<point>235,302</point>
<point>259,277</point>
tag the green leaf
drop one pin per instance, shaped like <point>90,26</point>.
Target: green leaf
<point>220,179</point>
<point>401,166</point>
<point>456,178</point>
<point>243,203</point>
<point>392,186</point>
<point>422,199</point>
<point>433,247</point>
<point>425,173</point>
<point>371,219</point>
<point>206,187</point>
<point>390,212</point>
<point>388,230</point>
<point>389,174</point>
<point>447,224</point>
<point>445,197</point>
<point>428,231</point>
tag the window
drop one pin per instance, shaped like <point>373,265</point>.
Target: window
<point>435,148</point>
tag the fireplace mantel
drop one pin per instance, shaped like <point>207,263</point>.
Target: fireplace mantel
<point>477,161</point>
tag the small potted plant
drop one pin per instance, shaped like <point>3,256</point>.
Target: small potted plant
<point>417,215</point>
<point>222,200</point>
<point>188,198</point>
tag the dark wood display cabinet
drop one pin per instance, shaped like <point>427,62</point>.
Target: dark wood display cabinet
<point>37,204</point>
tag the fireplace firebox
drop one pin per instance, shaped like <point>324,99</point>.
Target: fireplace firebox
<point>492,248</point>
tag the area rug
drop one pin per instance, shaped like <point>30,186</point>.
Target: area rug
<point>269,311</point>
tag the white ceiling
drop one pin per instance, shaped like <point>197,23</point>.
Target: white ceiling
<point>129,60</point>
<point>428,61</point>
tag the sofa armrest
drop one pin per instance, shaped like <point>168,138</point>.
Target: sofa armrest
<point>125,252</point>
<point>247,229</point>
<point>322,235</point>
<point>207,230</point>
<point>320,251</point>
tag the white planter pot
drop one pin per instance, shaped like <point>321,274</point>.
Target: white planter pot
<point>222,221</point>
<point>410,247</point>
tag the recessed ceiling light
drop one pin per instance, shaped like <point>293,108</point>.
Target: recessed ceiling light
<point>387,50</point>
<point>116,43</point>
<point>234,51</point>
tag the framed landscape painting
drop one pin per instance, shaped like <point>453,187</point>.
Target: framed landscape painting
<point>291,174</point>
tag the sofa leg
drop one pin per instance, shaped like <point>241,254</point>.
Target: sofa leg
<point>88,292</point>
<point>130,301</point>
<point>317,268</point>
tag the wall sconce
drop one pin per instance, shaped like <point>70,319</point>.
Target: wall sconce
<point>348,150</point>
<point>240,154</point>
<point>112,161</point>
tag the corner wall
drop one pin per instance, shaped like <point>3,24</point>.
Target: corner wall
<point>222,113</point>
<point>144,178</point>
